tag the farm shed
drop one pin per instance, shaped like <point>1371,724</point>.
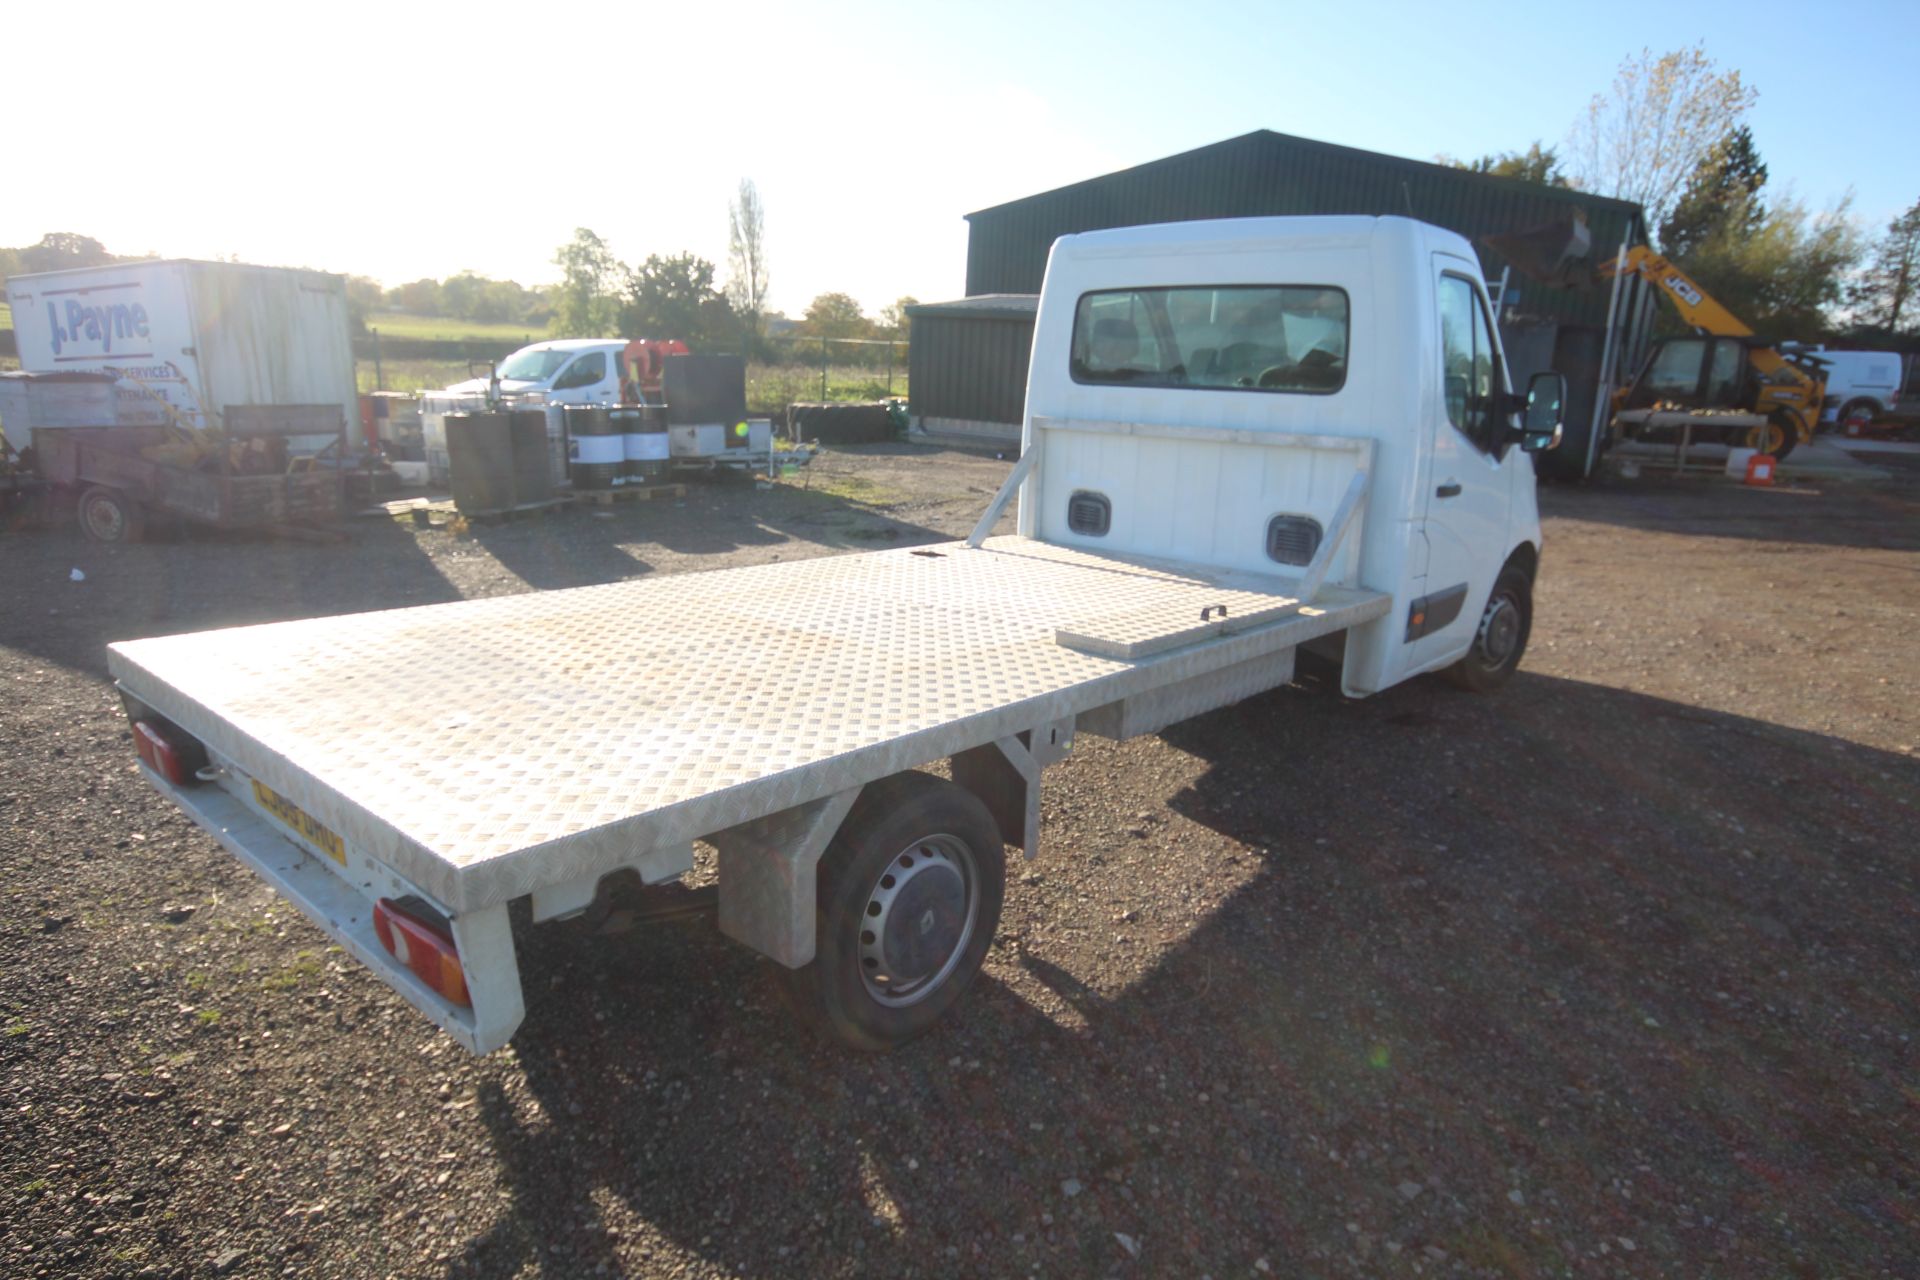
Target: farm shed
<point>967,365</point>
<point>1264,174</point>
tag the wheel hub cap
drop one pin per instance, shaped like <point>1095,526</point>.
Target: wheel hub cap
<point>1499,630</point>
<point>919,918</point>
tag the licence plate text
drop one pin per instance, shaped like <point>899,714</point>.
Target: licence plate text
<point>299,821</point>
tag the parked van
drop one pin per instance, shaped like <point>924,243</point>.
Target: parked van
<point>564,371</point>
<point>1858,382</point>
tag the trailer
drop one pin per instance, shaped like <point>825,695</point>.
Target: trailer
<point>120,477</point>
<point>1244,440</point>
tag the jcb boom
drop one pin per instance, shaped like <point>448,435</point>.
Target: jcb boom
<point>1722,382</point>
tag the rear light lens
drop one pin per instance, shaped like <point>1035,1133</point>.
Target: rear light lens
<point>174,761</point>
<point>419,938</point>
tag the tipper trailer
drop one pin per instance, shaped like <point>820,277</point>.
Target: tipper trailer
<point>1243,439</point>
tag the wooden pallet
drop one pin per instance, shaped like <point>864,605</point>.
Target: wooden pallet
<point>629,493</point>
<point>435,512</point>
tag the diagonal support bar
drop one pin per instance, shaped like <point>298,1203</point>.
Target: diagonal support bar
<point>1029,461</point>
<point>1342,520</point>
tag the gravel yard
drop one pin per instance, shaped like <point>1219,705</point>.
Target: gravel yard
<point>1616,973</point>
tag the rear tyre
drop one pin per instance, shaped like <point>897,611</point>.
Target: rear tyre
<point>111,517</point>
<point>909,896</point>
<point>1501,638</point>
<point>1866,410</point>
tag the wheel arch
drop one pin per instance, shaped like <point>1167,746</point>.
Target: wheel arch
<point>1525,557</point>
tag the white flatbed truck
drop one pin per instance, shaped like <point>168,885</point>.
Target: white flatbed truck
<point>1243,439</point>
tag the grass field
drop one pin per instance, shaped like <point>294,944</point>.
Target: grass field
<point>6,315</point>
<point>393,324</point>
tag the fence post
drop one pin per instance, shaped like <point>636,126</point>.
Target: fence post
<point>379,378</point>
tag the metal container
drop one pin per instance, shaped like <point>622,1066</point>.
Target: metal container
<point>532,470</point>
<point>597,454</point>
<point>654,450</point>
<point>626,425</point>
<point>480,460</point>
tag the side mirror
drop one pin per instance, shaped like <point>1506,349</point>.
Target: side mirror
<point>1546,412</point>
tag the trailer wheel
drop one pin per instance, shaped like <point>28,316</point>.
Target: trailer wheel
<point>1505,624</point>
<point>909,897</point>
<point>110,516</point>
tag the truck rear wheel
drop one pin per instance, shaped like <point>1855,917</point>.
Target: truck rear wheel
<point>909,896</point>
<point>110,516</point>
<point>1501,639</point>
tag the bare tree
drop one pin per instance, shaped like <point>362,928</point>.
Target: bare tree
<point>747,256</point>
<point>1646,136</point>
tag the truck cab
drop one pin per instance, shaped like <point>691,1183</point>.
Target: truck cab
<point>564,371</point>
<point>1206,392</point>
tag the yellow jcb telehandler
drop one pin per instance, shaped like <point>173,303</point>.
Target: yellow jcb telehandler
<point>1721,382</point>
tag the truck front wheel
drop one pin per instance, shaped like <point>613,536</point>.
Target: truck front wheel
<point>110,516</point>
<point>909,896</point>
<point>1505,624</point>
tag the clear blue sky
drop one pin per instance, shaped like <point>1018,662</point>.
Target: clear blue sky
<point>1837,80</point>
<point>399,141</point>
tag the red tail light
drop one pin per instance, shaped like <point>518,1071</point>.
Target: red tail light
<point>161,755</point>
<point>416,936</point>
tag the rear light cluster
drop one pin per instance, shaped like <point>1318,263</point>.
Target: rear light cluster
<point>419,937</point>
<point>168,752</point>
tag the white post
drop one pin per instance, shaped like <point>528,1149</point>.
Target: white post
<point>1603,395</point>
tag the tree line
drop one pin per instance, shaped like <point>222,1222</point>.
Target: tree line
<point>682,295</point>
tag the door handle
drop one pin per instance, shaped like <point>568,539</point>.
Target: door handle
<point>1451,489</point>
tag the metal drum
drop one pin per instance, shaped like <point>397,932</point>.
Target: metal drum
<point>653,445</point>
<point>626,425</point>
<point>596,452</point>
<point>480,462</point>
<point>532,472</point>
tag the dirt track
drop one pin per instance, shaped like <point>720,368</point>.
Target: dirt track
<point>1612,974</point>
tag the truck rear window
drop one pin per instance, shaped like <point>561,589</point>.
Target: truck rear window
<point>1287,338</point>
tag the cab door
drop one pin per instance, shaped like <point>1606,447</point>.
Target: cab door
<point>1471,471</point>
<point>589,379</point>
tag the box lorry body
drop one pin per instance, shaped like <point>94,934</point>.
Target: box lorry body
<point>185,339</point>
<point>1242,439</point>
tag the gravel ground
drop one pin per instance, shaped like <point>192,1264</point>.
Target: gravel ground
<point>1611,974</point>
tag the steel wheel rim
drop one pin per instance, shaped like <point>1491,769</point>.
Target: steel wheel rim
<point>1499,631</point>
<point>105,520</point>
<point>920,916</point>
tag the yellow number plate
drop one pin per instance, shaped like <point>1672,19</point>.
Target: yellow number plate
<point>297,819</point>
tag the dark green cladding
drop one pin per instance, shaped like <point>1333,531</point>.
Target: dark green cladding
<point>1263,174</point>
<point>968,359</point>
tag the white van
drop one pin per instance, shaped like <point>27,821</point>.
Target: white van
<point>1858,382</point>
<point>564,371</point>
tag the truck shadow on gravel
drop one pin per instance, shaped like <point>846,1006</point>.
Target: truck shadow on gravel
<point>1566,978</point>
